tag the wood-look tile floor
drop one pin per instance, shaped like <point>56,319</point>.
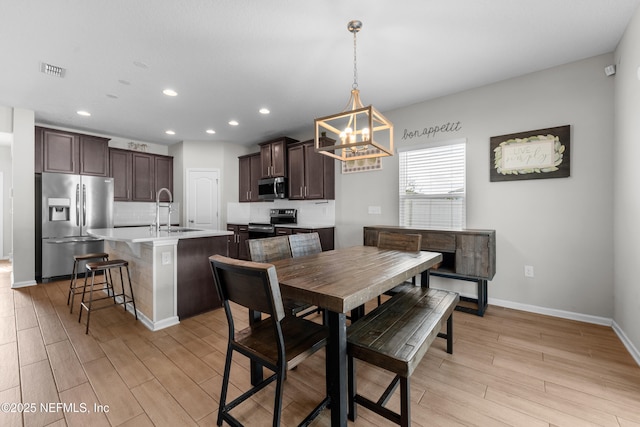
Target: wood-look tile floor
<point>509,368</point>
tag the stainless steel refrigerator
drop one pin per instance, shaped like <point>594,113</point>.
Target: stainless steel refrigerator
<point>70,205</point>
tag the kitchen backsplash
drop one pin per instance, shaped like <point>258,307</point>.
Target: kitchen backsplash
<point>310,212</point>
<point>127,214</point>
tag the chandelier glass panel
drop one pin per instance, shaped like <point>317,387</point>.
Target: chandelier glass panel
<point>358,132</point>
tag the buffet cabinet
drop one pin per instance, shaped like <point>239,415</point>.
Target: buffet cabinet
<point>466,255</point>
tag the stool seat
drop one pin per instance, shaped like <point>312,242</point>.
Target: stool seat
<point>84,257</point>
<point>123,298</point>
<point>101,265</point>
<point>74,288</point>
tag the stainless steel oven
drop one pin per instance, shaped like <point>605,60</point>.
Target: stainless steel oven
<point>259,230</point>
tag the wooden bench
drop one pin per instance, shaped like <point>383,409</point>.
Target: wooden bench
<point>395,336</point>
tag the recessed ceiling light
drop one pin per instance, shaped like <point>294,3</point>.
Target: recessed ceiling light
<point>211,131</point>
<point>233,122</point>
<point>83,113</point>
<point>112,96</point>
<point>264,111</point>
<point>124,82</point>
<point>170,92</point>
<point>169,132</point>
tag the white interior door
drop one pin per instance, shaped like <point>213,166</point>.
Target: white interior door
<point>203,198</point>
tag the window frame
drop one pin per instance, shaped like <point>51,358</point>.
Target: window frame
<point>457,216</point>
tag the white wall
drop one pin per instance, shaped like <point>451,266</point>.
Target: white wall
<point>6,131</point>
<point>562,227</point>
<point>207,154</point>
<point>5,168</point>
<point>24,250</point>
<point>626,179</point>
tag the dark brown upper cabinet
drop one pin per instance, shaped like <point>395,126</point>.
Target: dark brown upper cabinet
<point>311,175</point>
<point>138,176</point>
<point>68,152</point>
<point>273,157</point>
<point>249,173</point>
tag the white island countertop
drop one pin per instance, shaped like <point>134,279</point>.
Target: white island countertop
<point>147,234</point>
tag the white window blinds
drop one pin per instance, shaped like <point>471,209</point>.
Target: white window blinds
<point>432,187</point>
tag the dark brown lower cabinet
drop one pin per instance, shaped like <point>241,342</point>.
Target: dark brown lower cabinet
<point>196,290</point>
<point>325,234</point>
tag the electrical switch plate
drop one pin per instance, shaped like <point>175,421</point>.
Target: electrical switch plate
<point>528,271</point>
<point>166,258</point>
<point>375,210</point>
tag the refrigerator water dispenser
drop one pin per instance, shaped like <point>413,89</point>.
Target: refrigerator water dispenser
<point>59,209</point>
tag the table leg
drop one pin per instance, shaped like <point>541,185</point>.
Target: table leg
<point>424,279</point>
<point>337,368</point>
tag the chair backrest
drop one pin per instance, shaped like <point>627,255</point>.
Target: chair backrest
<point>269,249</point>
<point>399,241</point>
<point>304,244</point>
<point>250,284</point>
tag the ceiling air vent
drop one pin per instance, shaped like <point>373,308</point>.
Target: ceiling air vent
<point>52,70</point>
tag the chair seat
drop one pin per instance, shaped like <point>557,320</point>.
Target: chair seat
<point>302,338</point>
<point>294,307</point>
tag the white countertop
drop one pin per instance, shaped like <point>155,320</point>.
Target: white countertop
<point>302,225</point>
<point>146,234</point>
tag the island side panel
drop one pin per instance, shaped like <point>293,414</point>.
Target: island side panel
<point>196,290</point>
<point>153,281</point>
<point>141,270</point>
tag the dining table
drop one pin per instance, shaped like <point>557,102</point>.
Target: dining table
<point>341,281</point>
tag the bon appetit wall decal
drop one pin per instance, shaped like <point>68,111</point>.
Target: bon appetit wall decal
<point>432,131</point>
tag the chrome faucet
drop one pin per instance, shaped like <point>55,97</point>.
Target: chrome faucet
<point>158,208</point>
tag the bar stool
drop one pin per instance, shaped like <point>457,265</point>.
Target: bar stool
<point>73,284</point>
<point>122,298</point>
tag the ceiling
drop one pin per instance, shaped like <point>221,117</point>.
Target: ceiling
<point>227,59</point>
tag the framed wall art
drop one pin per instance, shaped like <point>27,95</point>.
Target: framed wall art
<point>536,154</point>
<point>362,165</point>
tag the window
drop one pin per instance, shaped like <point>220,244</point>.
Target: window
<point>432,186</point>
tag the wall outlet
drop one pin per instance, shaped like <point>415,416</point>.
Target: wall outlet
<point>528,271</point>
<point>166,258</point>
<point>375,210</point>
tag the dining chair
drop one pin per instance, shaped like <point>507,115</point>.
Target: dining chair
<point>304,244</point>
<point>400,242</point>
<point>277,342</point>
<point>274,249</point>
<point>269,249</point>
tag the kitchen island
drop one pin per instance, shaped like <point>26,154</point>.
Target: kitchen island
<point>170,269</point>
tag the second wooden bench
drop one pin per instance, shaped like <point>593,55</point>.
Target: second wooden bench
<point>395,336</point>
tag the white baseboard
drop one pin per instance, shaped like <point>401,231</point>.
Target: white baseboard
<point>573,316</point>
<point>627,343</point>
<point>23,284</point>
<point>553,312</point>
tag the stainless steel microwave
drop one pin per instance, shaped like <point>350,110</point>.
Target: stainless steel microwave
<point>272,188</point>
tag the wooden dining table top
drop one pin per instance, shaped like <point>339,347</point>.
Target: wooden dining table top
<point>343,279</point>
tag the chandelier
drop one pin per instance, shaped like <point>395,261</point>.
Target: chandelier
<point>358,132</point>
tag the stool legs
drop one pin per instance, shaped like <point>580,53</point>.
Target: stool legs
<point>118,298</point>
<point>73,283</point>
